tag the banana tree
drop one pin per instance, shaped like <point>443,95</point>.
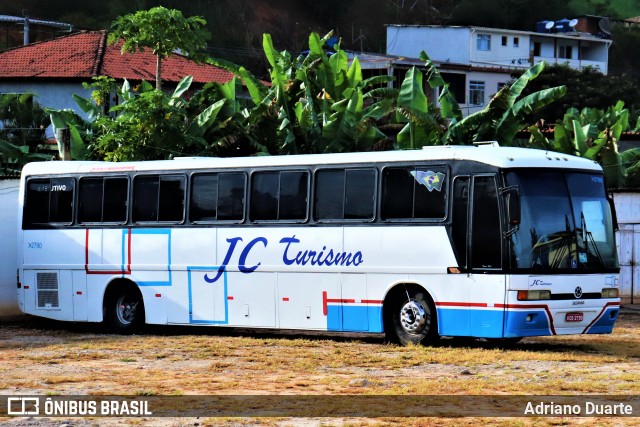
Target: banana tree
<point>593,134</point>
<point>423,122</point>
<point>315,102</point>
<point>506,114</point>
<point>22,121</point>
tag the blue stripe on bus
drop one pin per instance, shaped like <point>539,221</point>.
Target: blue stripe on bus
<point>604,325</point>
<point>360,318</point>
<point>517,325</point>
<point>464,322</point>
<point>226,300</point>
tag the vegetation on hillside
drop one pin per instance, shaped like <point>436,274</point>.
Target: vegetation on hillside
<point>318,102</point>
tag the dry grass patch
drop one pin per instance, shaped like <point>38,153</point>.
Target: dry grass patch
<point>36,358</point>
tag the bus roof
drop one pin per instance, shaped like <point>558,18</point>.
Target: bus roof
<point>491,154</point>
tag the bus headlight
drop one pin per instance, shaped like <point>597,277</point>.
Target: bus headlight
<point>533,295</point>
<point>610,293</point>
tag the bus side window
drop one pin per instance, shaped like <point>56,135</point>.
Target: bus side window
<point>414,193</point>
<point>61,201</point>
<point>49,201</point>
<point>486,237</point>
<point>345,194</point>
<point>217,197</point>
<point>37,202</point>
<point>158,198</point>
<point>103,199</point>
<point>279,196</point>
<point>459,217</point>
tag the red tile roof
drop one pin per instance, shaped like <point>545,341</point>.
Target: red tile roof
<point>85,55</point>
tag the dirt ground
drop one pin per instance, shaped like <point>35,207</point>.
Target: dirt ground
<point>43,357</point>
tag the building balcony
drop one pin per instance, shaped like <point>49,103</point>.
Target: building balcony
<point>578,64</point>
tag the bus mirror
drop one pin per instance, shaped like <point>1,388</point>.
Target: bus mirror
<point>513,206</point>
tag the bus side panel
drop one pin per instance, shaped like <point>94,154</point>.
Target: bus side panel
<point>252,299</point>
<point>79,296</point>
<point>62,248</point>
<point>303,301</point>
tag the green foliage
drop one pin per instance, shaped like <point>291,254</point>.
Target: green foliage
<point>314,104</point>
<point>22,131</point>
<point>586,88</point>
<point>507,113</point>
<point>163,31</point>
<point>103,87</point>
<point>593,134</point>
<point>151,125</point>
<point>80,131</point>
<point>624,54</point>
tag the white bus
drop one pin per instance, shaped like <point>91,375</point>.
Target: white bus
<point>480,241</point>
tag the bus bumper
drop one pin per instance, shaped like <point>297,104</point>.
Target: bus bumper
<point>539,319</point>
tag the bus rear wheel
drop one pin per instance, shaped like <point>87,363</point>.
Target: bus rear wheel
<point>410,318</point>
<point>125,311</point>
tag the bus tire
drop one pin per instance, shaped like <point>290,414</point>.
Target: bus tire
<point>124,310</point>
<point>410,318</point>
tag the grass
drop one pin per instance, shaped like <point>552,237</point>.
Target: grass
<point>39,359</point>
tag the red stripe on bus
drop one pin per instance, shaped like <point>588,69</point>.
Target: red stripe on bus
<point>86,259</point>
<point>324,303</point>
<point>371,301</point>
<point>461,304</point>
<point>599,315</point>
<point>285,299</point>
<point>230,298</point>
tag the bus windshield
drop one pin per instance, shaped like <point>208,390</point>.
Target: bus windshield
<point>565,223</point>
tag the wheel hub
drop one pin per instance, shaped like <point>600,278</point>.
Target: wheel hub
<point>126,310</point>
<point>413,317</point>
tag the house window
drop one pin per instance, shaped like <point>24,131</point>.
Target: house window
<point>516,41</point>
<point>457,85</point>
<point>537,48</point>
<point>476,92</point>
<point>484,42</point>
<point>565,52</point>
<point>504,40</point>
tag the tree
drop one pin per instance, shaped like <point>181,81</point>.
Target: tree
<point>586,88</point>
<point>315,102</point>
<point>593,133</point>
<point>22,131</point>
<point>162,30</point>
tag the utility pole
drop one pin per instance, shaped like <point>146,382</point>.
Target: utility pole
<point>360,38</point>
<point>25,35</point>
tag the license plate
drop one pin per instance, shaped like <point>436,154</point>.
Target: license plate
<point>574,317</point>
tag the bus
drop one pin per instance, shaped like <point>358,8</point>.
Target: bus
<point>460,241</point>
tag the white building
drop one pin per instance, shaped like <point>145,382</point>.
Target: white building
<point>477,61</point>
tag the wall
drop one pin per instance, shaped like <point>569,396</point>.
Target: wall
<point>628,242</point>
<point>441,44</point>
<point>505,56</point>
<point>8,246</point>
<point>53,95</point>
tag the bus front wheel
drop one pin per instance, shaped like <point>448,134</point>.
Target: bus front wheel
<point>410,318</point>
<point>125,311</point>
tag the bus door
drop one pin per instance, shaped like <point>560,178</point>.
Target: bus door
<point>477,236</point>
